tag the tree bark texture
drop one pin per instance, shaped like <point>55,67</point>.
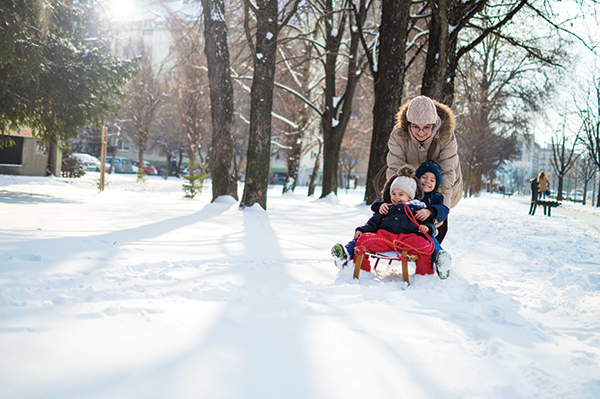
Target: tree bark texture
<point>437,65</point>
<point>335,117</point>
<point>388,87</point>
<point>223,167</point>
<point>295,154</point>
<point>261,105</point>
<point>315,173</point>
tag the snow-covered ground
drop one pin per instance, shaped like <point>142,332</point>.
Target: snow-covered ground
<point>138,293</point>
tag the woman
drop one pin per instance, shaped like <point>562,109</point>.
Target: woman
<point>543,185</point>
<point>425,131</point>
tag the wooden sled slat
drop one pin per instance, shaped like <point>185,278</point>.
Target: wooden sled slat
<point>404,259</point>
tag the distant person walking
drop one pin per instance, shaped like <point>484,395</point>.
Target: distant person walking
<point>543,185</point>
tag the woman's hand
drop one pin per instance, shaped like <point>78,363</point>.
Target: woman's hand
<point>423,214</point>
<point>357,234</point>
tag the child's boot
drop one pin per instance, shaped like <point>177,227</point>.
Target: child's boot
<point>442,263</point>
<point>340,256</point>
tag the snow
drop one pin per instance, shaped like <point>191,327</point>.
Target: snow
<point>336,101</point>
<point>136,292</point>
<point>216,15</point>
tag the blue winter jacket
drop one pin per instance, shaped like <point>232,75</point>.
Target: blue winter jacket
<point>434,201</point>
<point>396,221</point>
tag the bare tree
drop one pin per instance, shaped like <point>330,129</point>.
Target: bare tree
<point>143,97</point>
<point>315,173</point>
<point>388,76</point>
<point>353,151</point>
<point>338,105</point>
<point>168,139</point>
<point>191,90</point>
<point>336,108</point>
<point>563,158</point>
<point>297,72</point>
<point>264,50</point>
<point>498,93</point>
<point>449,19</point>
<point>586,171</point>
<point>590,128</point>
<point>223,165</point>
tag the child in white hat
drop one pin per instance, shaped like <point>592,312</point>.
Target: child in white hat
<point>402,192</point>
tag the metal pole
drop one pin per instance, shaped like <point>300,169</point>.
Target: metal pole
<point>103,158</point>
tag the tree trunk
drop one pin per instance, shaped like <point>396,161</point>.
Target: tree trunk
<point>168,166</point>
<point>560,188</point>
<point>258,162</point>
<point>388,87</point>
<point>140,163</point>
<point>224,171</point>
<point>438,62</point>
<point>293,162</point>
<point>295,153</point>
<point>315,172</point>
<point>598,198</point>
<point>332,143</point>
<point>334,119</point>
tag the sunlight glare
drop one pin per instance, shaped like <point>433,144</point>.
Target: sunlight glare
<point>122,8</point>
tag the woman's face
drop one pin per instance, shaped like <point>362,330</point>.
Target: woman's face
<point>421,131</point>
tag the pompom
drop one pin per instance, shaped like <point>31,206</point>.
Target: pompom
<point>407,171</point>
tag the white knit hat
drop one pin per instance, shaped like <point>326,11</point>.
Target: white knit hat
<point>406,184</point>
<point>422,110</point>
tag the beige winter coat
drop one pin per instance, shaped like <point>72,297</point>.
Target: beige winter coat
<point>441,147</point>
<point>543,183</point>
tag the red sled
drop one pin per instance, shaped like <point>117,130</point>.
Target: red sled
<point>394,247</point>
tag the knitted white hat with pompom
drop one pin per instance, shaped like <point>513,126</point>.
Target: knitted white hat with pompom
<point>406,184</point>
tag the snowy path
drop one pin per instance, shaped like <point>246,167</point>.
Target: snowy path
<point>139,293</point>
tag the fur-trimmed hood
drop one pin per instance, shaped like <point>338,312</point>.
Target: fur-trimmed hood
<point>442,132</point>
<point>441,146</point>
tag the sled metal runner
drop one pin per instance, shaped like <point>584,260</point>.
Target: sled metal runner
<point>390,256</point>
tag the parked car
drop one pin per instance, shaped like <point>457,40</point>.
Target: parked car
<point>576,196</point>
<point>148,168</point>
<point>88,162</point>
<point>121,165</point>
<point>278,178</point>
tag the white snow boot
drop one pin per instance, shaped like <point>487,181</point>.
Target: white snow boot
<point>442,264</point>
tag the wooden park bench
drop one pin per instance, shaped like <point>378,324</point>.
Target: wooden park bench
<point>535,201</point>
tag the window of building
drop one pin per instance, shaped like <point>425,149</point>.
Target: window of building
<point>13,155</point>
<point>123,145</point>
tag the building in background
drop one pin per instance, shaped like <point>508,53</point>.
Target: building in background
<point>28,156</point>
